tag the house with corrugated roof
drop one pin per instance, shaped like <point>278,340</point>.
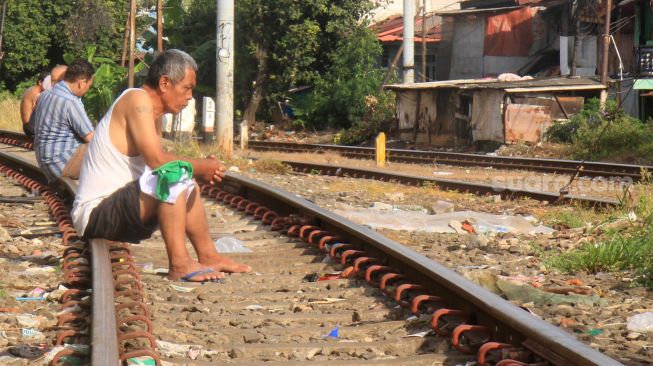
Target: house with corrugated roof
<point>500,69</point>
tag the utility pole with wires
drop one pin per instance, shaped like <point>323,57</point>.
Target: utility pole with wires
<point>409,42</point>
<point>423,72</point>
<point>224,99</point>
<point>2,27</point>
<point>603,97</point>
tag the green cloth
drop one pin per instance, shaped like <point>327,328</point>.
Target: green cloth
<point>169,174</point>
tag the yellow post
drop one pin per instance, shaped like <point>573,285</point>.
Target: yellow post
<point>380,150</point>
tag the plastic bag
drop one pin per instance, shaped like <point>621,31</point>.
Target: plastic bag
<point>229,244</point>
<point>641,323</point>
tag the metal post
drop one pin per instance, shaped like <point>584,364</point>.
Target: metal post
<point>2,26</point>
<point>125,42</point>
<point>159,26</point>
<point>132,41</point>
<point>409,42</point>
<point>606,52</point>
<point>224,110</point>
<point>380,150</point>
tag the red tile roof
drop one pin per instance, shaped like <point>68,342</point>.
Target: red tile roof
<point>392,30</point>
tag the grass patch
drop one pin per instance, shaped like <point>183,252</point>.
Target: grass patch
<point>619,252</point>
<point>627,249</point>
<point>271,166</point>
<point>577,216</point>
<point>597,134</point>
<point>192,149</point>
<point>3,293</point>
<point>631,250</point>
<point>185,147</point>
<point>10,114</point>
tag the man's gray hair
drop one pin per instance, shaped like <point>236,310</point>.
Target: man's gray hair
<point>172,63</point>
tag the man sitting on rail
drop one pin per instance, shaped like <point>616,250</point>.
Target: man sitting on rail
<point>61,127</point>
<point>116,199</point>
<point>28,103</point>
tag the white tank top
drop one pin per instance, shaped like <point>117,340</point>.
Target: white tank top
<point>103,171</point>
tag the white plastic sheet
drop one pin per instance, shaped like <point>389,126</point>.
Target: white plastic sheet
<point>483,223</point>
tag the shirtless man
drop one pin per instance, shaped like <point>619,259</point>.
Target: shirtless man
<point>28,102</point>
<point>55,76</point>
<point>111,202</point>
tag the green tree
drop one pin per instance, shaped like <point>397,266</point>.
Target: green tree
<point>288,43</point>
<point>348,95</point>
<point>27,39</point>
<point>38,33</point>
<point>279,43</point>
<point>98,23</point>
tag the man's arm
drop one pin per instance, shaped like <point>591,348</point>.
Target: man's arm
<point>143,133</point>
<point>79,122</point>
<point>88,137</point>
<point>26,107</point>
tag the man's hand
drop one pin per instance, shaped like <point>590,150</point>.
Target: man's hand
<point>216,172</point>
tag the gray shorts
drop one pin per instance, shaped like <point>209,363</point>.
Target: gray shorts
<point>117,217</point>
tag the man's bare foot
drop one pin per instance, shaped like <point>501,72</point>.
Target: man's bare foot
<point>194,272</point>
<point>224,264</point>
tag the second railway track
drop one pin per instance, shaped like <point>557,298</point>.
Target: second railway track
<point>557,166</point>
<point>477,188</point>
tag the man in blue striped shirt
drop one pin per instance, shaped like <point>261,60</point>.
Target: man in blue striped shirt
<point>62,128</point>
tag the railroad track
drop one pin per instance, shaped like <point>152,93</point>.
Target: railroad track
<point>382,293</point>
<point>557,166</point>
<point>480,189</point>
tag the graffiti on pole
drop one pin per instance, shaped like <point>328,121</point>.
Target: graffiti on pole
<point>224,40</point>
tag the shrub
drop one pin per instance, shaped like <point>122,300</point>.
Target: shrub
<point>348,95</point>
<point>597,134</point>
<point>108,81</point>
<point>379,117</point>
<point>562,131</point>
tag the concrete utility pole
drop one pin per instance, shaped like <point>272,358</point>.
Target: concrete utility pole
<point>606,52</point>
<point>423,78</point>
<point>132,41</point>
<point>409,42</point>
<point>159,26</point>
<point>224,99</point>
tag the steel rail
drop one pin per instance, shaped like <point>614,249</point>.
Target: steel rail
<point>15,135</point>
<point>104,349</point>
<point>447,184</point>
<point>511,323</point>
<point>557,166</point>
